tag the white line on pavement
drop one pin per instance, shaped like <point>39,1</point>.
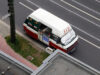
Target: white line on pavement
<point>89,42</point>
<point>26,6</point>
<point>80,10</point>
<point>75,13</point>
<point>86,33</point>
<point>33,3</point>
<point>5,16</point>
<point>77,27</point>
<point>97,1</point>
<point>86,7</point>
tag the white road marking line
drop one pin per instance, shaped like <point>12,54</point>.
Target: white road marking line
<point>95,24</point>
<point>86,7</point>
<point>80,10</point>
<point>86,33</point>
<point>76,28</point>
<point>26,6</point>
<point>33,3</point>
<point>79,28</point>
<point>5,16</point>
<point>97,1</point>
<point>89,42</point>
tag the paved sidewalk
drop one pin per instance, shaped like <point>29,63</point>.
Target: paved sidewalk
<point>4,31</point>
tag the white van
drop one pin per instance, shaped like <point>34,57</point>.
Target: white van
<point>51,30</point>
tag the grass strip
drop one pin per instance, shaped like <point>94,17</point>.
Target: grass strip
<point>25,49</point>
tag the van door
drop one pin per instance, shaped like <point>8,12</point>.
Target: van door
<point>44,35</point>
<point>45,39</point>
<point>40,36</point>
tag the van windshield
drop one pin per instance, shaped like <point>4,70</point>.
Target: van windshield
<point>68,37</point>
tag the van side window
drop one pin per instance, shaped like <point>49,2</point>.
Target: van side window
<point>45,30</point>
<point>32,23</point>
<point>55,38</point>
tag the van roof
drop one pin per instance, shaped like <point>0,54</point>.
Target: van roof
<point>57,25</point>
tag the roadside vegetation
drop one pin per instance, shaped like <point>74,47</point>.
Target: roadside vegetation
<point>25,49</point>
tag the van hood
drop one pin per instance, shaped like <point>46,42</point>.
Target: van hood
<point>68,37</point>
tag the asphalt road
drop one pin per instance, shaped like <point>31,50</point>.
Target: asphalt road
<point>83,15</point>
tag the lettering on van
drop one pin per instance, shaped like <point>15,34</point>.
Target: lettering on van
<point>66,30</point>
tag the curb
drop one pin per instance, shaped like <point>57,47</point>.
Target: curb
<point>19,33</point>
